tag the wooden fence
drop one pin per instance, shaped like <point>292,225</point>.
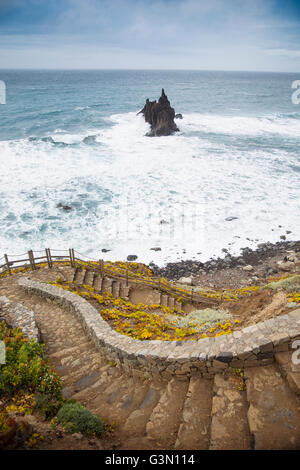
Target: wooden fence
<point>49,257</point>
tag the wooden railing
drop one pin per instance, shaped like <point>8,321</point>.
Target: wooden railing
<point>49,257</point>
<point>35,258</point>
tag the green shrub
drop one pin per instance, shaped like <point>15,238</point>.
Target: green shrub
<point>48,405</point>
<point>25,368</point>
<point>201,319</point>
<point>290,284</point>
<point>76,418</point>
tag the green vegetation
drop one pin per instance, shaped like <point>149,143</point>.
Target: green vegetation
<point>48,405</point>
<point>208,319</point>
<point>290,284</point>
<point>76,418</point>
<point>26,369</point>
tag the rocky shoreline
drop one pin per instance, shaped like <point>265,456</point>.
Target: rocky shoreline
<point>232,271</point>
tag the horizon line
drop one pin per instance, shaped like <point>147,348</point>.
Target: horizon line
<point>141,70</point>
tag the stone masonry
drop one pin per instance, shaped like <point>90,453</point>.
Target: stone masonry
<point>16,315</point>
<point>252,346</point>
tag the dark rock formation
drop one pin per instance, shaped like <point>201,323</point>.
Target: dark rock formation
<point>160,115</point>
<point>64,207</point>
<point>131,257</point>
<point>178,116</point>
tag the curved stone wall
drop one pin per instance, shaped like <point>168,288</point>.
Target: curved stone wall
<point>251,346</point>
<point>16,315</point>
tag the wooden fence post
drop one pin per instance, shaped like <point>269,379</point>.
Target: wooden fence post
<point>7,264</point>
<point>47,256</point>
<point>101,263</point>
<point>73,256</point>
<point>31,261</point>
<point>71,259</point>
<point>50,259</point>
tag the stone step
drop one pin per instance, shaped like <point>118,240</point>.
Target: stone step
<point>98,280</point>
<point>116,289</point>
<point>164,300</point>
<point>81,384</point>
<point>74,275</point>
<point>135,424</point>
<point>104,403</point>
<point>64,357</point>
<point>171,301</point>
<point>194,430</point>
<point>52,349</point>
<point>88,278</point>
<point>274,411</point>
<point>132,394</point>
<point>57,355</point>
<point>229,424</point>
<point>290,370</point>
<point>75,362</point>
<point>72,374</point>
<point>106,375</point>
<point>70,273</point>
<point>165,419</point>
<point>107,285</point>
<point>68,341</point>
<point>124,290</point>
<point>79,357</point>
<point>80,276</point>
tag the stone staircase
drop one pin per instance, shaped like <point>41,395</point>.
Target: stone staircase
<point>182,413</point>
<point>103,284</point>
<point>119,288</point>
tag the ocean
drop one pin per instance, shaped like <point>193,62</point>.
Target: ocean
<point>229,179</point>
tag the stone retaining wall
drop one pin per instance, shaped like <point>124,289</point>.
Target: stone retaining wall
<point>16,315</point>
<point>251,346</point>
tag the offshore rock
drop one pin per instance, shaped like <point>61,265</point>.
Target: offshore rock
<point>160,115</point>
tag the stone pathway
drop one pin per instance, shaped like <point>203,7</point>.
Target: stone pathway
<point>182,413</point>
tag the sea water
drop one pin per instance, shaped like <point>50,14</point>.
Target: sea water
<point>74,138</point>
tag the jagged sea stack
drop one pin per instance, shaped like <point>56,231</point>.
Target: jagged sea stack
<point>160,115</point>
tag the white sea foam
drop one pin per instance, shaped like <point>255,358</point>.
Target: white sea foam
<point>121,190</point>
<point>242,125</point>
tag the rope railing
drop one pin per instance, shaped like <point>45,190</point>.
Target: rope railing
<point>124,272</point>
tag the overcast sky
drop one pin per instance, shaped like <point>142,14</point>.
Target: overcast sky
<point>143,34</point>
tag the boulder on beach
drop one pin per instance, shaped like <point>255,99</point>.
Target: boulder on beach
<point>188,281</point>
<point>132,257</point>
<point>160,115</point>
